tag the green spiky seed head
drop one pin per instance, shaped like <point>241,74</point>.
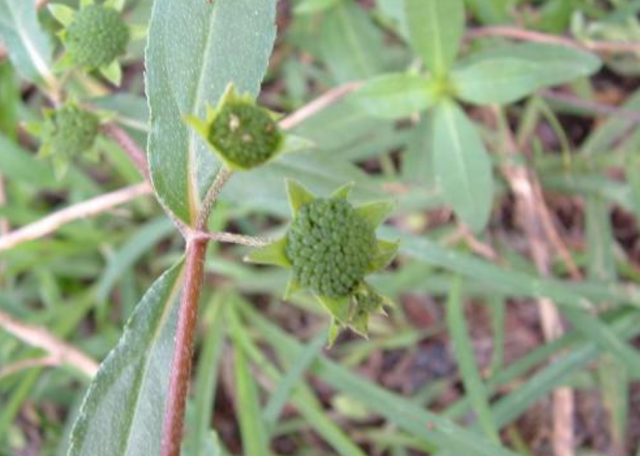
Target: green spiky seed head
<point>330,247</point>
<point>96,37</point>
<point>245,134</point>
<point>70,131</point>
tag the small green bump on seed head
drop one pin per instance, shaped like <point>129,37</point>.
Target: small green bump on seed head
<point>70,131</point>
<point>330,247</point>
<point>244,134</point>
<point>96,37</point>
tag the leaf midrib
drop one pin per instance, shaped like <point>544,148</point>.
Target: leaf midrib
<point>450,123</point>
<point>193,193</point>
<point>39,63</point>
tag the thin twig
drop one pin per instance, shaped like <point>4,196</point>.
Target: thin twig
<point>598,108</point>
<point>610,47</point>
<point>520,181</point>
<point>182,358</point>
<point>319,104</point>
<point>232,238</point>
<point>41,338</point>
<point>89,208</point>
<point>31,363</point>
<point>137,155</point>
<point>211,197</point>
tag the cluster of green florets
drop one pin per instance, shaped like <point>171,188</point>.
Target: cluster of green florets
<point>245,134</point>
<point>70,131</point>
<point>330,247</point>
<point>96,37</point>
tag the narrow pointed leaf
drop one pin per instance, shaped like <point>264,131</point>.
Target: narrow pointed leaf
<point>435,29</point>
<point>273,254</point>
<point>376,213</point>
<point>298,196</point>
<point>463,350</point>
<point>195,49</point>
<point>507,74</point>
<point>252,427</point>
<point>462,166</point>
<point>394,96</point>
<point>28,45</point>
<point>123,410</point>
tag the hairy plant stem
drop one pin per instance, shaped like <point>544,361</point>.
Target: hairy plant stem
<point>185,335</point>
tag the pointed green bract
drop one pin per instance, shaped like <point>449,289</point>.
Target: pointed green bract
<point>376,212</point>
<point>343,192</point>
<point>298,196</point>
<point>337,307</point>
<point>113,73</point>
<point>62,13</point>
<point>385,253</point>
<point>273,254</point>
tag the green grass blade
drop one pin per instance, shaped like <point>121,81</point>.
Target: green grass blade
<point>463,350</point>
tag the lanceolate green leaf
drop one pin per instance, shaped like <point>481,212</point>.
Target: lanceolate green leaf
<point>195,49</point>
<point>29,47</point>
<point>123,410</point>
<point>512,72</point>
<point>462,165</point>
<point>436,28</point>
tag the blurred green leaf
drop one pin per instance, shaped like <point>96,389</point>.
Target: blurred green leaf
<point>349,43</point>
<point>313,6</point>
<point>29,47</point>
<point>509,73</point>
<point>462,166</point>
<point>195,50</point>
<point>394,96</point>
<point>436,28</point>
<point>124,407</point>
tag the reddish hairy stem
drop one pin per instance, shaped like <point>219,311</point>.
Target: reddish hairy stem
<point>181,365</point>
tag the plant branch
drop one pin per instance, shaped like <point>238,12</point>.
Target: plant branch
<point>319,104</point>
<point>185,334</point>
<point>610,47</point>
<point>232,238</point>
<point>137,155</point>
<point>211,197</point>
<point>57,349</point>
<point>598,108</point>
<point>89,208</point>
